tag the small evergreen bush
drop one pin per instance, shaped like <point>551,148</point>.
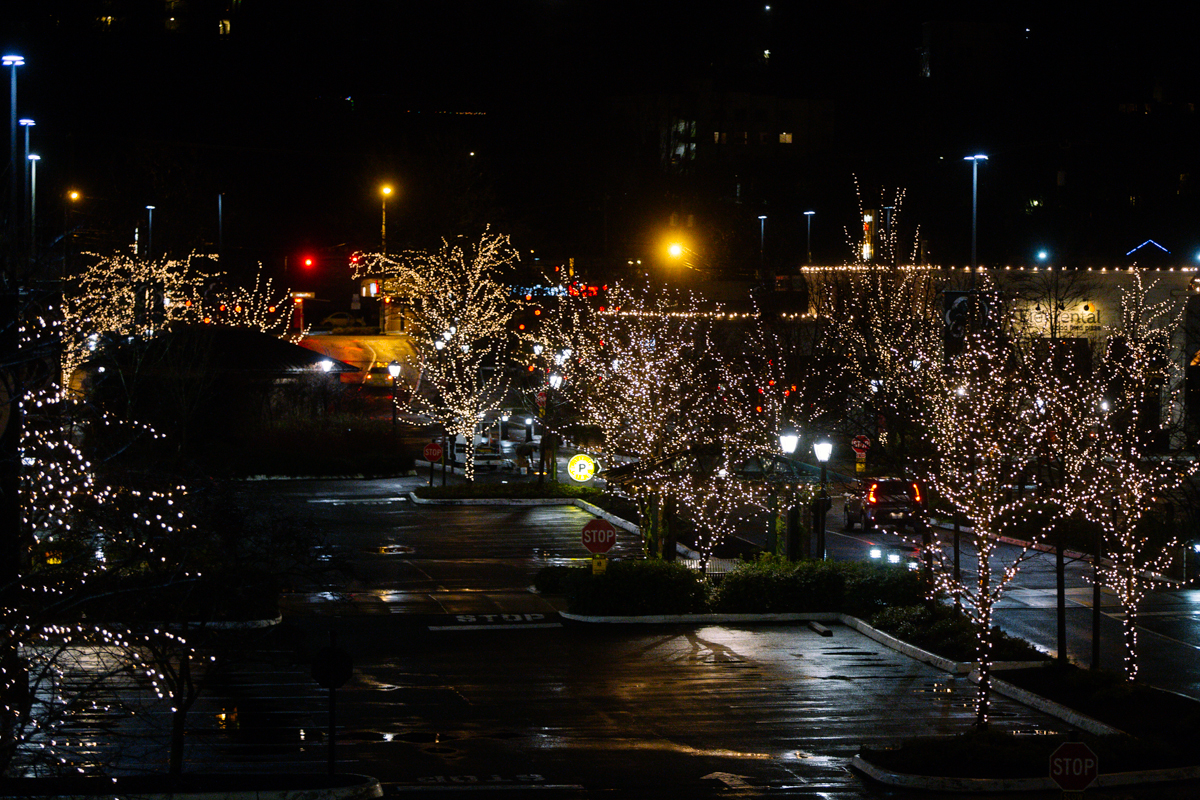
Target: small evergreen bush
<point>637,587</point>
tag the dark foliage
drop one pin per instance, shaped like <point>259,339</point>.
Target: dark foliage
<point>636,587</point>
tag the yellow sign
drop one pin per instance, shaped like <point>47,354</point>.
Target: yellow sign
<point>581,467</point>
<point>599,564</point>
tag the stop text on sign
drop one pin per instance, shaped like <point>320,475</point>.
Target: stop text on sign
<point>599,536</point>
<point>1073,766</point>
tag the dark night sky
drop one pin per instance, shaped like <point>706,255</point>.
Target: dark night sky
<point>301,113</point>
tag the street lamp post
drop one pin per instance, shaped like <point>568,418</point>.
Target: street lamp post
<point>149,231</point>
<point>809,215</point>
<point>384,192</point>
<point>33,159</point>
<point>17,197</point>
<point>72,198</point>
<point>762,238</point>
<point>975,159</point>
<point>394,370</point>
<point>26,123</point>
<point>823,449</point>
<point>792,547</point>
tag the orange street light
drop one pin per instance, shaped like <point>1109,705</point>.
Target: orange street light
<point>384,191</point>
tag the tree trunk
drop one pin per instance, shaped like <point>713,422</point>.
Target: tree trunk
<point>181,701</point>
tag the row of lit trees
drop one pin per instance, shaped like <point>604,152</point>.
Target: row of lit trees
<point>998,410</point>
<point>92,539</point>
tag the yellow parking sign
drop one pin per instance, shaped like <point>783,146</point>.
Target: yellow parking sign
<point>581,467</point>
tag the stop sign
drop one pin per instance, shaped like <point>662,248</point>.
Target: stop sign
<point>432,452</point>
<point>599,536</point>
<point>541,399</point>
<point>860,444</point>
<point>1073,766</point>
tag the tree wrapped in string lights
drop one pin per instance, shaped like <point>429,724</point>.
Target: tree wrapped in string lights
<point>641,367</point>
<point>82,538</point>
<point>978,426</point>
<point>122,297</point>
<point>881,335</point>
<point>461,299</point>
<point>1118,473</point>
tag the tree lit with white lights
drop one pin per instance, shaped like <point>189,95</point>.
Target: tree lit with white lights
<point>461,300</point>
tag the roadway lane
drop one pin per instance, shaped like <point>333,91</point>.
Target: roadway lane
<point>1168,628</point>
<point>388,555</point>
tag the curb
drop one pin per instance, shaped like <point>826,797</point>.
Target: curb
<point>699,619</point>
<point>264,786</point>
<point>596,511</point>
<point>1103,781</point>
<point>1068,715</point>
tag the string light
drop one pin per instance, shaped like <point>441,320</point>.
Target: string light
<point>460,295</point>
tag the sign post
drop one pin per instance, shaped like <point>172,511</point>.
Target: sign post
<point>599,536</point>
<point>1073,766</point>
<point>432,453</point>
<point>860,445</point>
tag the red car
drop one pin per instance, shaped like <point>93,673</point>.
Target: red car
<point>887,503</point>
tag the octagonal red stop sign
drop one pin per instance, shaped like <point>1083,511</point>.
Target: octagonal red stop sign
<point>599,536</point>
<point>1073,766</point>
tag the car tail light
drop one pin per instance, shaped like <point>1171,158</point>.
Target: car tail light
<point>916,493</point>
<point>871,494</point>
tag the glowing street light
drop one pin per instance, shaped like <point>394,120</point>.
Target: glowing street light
<point>762,237</point>
<point>975,159</point>
<point>32,160</point>
<point>823,450</point>
<point>384,192</point>
<point>27,123</point>
<point>150,233</point>
<point>393,369</point>
<point>12,61</point>
<point>809,215</point>
<point>789,438</point>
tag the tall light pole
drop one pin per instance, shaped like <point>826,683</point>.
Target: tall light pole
<point>762,237</point>
<point>17,197</point>
<point>975,159</point>
<point>788,440</point>
<point>822,449</point>
<point>809,215</point>
<point>27,165</point>
<point>394,370</point>
<point>33,159</point>
<point>385,191</point>
<point>149,232</point>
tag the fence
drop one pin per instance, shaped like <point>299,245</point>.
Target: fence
<point>716,566</point>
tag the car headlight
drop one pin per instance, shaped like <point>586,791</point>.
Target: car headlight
<point>876,552</point>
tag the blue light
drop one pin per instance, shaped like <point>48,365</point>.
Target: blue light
<point>1143,244</point>
<point>1042,255</point>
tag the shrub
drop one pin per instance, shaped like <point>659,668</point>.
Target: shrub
<point>631,587</point>
<point>461,491</point>
<point>948,633</point>
<point>1135,708</point>
<point>774,585</point>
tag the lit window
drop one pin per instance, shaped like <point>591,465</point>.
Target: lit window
<point>785,138</point>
